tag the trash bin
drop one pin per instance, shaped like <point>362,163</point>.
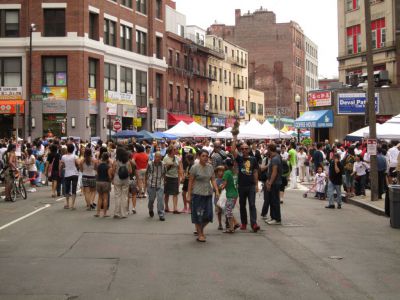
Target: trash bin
<point>394,197</point>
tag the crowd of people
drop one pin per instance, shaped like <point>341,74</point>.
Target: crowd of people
<point>211,175</point>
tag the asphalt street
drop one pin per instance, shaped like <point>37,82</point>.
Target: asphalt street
<point>316,254</point>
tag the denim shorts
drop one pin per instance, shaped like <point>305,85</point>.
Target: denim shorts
<point>202,209</point>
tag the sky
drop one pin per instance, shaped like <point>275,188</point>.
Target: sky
<point>317,18</point>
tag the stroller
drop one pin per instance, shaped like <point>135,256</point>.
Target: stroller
<point>310,190</point>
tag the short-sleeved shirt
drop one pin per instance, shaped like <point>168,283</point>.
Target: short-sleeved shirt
<point>231,189</point>
<point>293,158</point>
<point>70,166</point>
<point>247,167</point>
<point>275,161</point>
<point>202,179</point>
<point>335,178</point>
<point>141,159</point>
<point>171,166</point>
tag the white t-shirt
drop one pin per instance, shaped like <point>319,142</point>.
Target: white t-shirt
<point>392,155</point>
<point>301,158</point>
<point>285,155</point>
<point>320,182</point>
<point>31,162</point>
<point>70,167</point>
<point>360,168</point>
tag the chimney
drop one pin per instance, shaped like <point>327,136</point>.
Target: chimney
<point>238,13</point>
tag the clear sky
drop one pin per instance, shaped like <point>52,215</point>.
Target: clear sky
<point>317,18</point>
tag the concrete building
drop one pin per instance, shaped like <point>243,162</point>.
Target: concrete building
<point>276,57</point>
<point>385,23</point>
<point>92,61</point>
<point>311,66</point>
<point>256,105</point>
<point>228,95</point>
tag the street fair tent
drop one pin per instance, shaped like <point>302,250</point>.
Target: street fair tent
<point>126,134</point>
<point>272,132</point>
<point>147,135</point>
<point>181,130</point>
<point>390,129</point>
<point>163,135</point>
<point>199,131</point>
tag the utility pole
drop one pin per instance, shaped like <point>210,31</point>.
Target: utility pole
<point>371,100</point>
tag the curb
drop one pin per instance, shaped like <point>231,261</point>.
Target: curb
<point>370,207</point>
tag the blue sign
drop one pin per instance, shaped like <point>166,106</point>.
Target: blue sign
<point>218,121</point>
<point>354,103</point>
<point>315,119</point>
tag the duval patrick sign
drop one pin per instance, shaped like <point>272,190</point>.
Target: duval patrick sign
<point>354,103</point>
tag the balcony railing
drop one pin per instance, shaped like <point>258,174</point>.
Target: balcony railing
<point>238,85</point>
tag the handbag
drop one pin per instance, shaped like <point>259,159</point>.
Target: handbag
<point>221,203</point>
<point>50,168</point>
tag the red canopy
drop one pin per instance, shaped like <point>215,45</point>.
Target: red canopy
<point>175,119</point>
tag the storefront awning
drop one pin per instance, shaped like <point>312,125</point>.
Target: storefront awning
<point>10,106</point>
<point>315,119</point>
<point>175,119</point>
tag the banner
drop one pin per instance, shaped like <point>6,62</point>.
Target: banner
<point>128,111</point>
<point>218,121</point>
<point>10,93</point>
<point>54,100</point>
<point>318,99</point>
<point>197,119</point>
<point>119,98</point>
<point>242,112</point>
<point>231,104</point>
<point>92,96</point>
<point>10,107</point>
<point>354,103</point>
<point>111,109</point>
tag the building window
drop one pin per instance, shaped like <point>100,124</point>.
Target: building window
<point>9,23</point>
<point>93,26</point>
<point>127,3</point>
<point>110,77</point>
<point>141,6</point>
<point>181,30</point>
<point>354,39</point>
<point>55,71</point>
<point>126,81</point>
<point>141,42</point>
<point>198,102</point>
<point>170,54</point>
<point>92,72</point>
<point>186,95</point>
<point>158,93</point>
<point>230,82</point>
<point>141,88</point>
<point>126,37</point>
<point>177,60</point>
<point>54,22</point>
<point>260,109</point>
<point>216,102</point>
<point>159,52</point>
<point>220,103</point>
<point>178,94</point>
<point>170,94</point>
<point>352,4</point>
<point>109,32</point>
<point>252,107</point>
<point>159,9</point>
<point>10,71</point>
<point>378,33</point>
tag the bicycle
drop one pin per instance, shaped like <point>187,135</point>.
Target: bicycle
<point>18,186</point>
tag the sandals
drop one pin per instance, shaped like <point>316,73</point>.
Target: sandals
<point>66,207</point>
<point>96,215</point>
<point>201,241</point>
<point>228,231</point>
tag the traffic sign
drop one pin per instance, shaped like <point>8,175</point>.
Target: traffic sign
<point>117,125</point>
<point>371,146</point>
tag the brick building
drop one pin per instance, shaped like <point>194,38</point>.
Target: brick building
<point>276,57</point>
<point>92,61</point>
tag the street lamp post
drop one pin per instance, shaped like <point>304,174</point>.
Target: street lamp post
<point>206,109</point>
<point>31,30</point>
<point>297,99</point>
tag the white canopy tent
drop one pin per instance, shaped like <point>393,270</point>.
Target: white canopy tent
<point>388,130</point>
<point>274,133</point>
<point>180,130</point>
<point>199,131</point>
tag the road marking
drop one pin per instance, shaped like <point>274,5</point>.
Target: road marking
<point>24,217</point>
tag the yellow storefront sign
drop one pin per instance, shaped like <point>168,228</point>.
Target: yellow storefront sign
<point>137,122</point>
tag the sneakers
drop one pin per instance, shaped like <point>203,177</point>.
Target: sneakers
<point>162,218</point>
<point>339,206</point>
<point>220,227</point>
<point>255,228</point>
<point>243,227</point>
<point>330,206</point>
<point>274,222</point>
<point>151,213</point>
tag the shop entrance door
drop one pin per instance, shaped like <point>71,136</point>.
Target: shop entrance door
<point>57,123</point>
<point>6,128</point>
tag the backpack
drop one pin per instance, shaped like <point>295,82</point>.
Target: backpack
<point>285,168</point>
<point>123,172</point>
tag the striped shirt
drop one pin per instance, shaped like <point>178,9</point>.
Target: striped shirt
<point>155,175</point>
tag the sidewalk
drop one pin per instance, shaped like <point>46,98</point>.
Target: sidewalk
<point>376,207</point>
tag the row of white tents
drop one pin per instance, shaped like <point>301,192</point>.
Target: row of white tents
<point>251,130</point>
<point>389,130</point>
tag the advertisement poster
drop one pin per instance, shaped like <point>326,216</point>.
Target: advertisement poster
<point>92,96</point>
<point>119,98</point>
<point>111,109</point>
<point>137,122</point>
<point>54,100</point>
<point>318,99</point>
<point>128,111</point>
<point>10,93</point>
<point>354,103</point>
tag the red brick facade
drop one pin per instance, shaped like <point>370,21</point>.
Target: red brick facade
<point>273,49</point>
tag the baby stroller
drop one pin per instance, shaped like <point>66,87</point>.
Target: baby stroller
<point>310,190</point>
